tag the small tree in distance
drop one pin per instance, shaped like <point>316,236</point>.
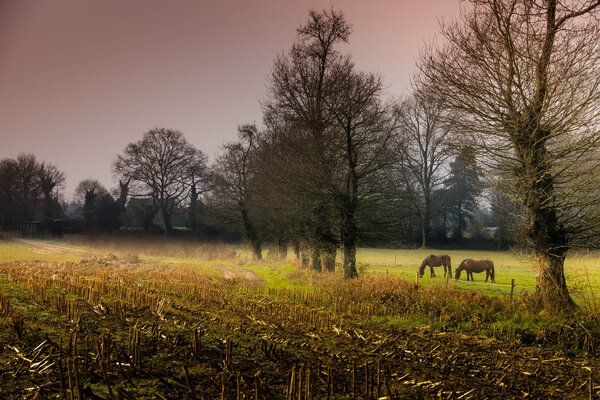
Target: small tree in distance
<point>462,188</point>
<point>422,149</point>
<point>158,167</point>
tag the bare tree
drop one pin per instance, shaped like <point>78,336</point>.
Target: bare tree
<point>362,128</point>
<point>299,86</point>
<point>524,77</point>
<point>422,148</point>
<point>158,166</point>
<point>27,187</point>
<point>198,180</point>
<point>233,182</point>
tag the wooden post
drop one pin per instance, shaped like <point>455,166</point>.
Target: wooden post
<point>417,279</point>
<point>447,280</point>
<point>512,288</point>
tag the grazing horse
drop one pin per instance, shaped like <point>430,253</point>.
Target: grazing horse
<point>471,266</point>
<point>436,261</point>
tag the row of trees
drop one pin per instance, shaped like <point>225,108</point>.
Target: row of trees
<point>338,161</point>
<point>518,81</point>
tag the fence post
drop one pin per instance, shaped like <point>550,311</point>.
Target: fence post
<point>447,280</point>
<point>417,279</point>
<point>512,288</point>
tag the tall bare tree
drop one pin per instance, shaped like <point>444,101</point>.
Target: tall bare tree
<point>525,78</point>
<point>362,128</point>
<point>422,148</point>
<point>299,86</point>
<point>158,167</point>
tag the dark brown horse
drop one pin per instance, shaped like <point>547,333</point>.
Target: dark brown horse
<point>436,261</point>
<point>471,266</point>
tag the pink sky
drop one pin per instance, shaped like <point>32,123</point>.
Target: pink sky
<point>79,79</point>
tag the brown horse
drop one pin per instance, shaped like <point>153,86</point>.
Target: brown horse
<point>436,261</point>
<point>471,266</point>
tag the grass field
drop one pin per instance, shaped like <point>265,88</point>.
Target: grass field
<point>582,270</point>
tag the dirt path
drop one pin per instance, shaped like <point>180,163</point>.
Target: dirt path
<point>231,272</point>
<point>48,248</point>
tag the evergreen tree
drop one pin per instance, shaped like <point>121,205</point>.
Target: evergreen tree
<point>462,188</point>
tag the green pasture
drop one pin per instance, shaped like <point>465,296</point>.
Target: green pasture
<point>582,270</point>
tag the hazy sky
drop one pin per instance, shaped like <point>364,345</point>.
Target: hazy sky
<point>80,79</point>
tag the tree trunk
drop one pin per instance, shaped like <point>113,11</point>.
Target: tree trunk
<point>547,233</point>
<point>303,254</point>
<point>329,253</point>
<point>193,208</point>
<point>350,206</point>
<point>550,249</point>
<point>252,235</point>
<point>349,245</point>
<point>426,222</point>
<point>315,259</point>
<point>166,216</point>
<point>297,249</point>
<point>282,249</point>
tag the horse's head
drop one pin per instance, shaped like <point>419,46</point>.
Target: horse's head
<point>422,269</point>
<point>460,267</point>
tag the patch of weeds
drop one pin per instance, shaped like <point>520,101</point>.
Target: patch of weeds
<point>363,268</point>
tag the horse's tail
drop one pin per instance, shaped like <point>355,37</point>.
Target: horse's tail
<point>449,263</point>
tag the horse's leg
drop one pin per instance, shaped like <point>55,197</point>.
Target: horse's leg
<point>432,271</point>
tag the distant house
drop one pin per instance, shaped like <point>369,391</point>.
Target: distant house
<point>54,228</point>
<point>43,226</point>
